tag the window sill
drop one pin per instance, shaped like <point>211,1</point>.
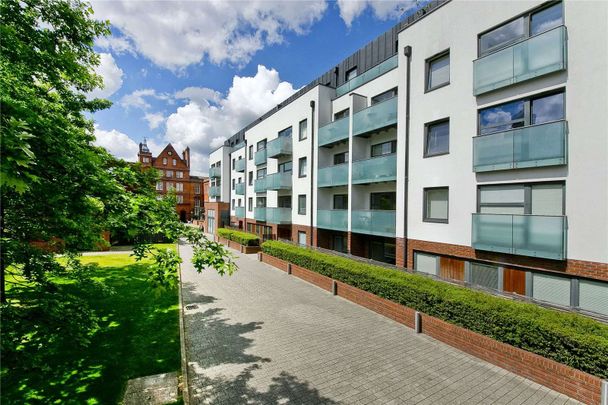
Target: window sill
<point>435,221</point>
<point>435,155</point>
<point>428,90</point>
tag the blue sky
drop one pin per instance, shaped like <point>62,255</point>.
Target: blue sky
<point>193,73</point>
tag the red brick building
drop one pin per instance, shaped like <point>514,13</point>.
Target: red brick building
<point>175,175</point>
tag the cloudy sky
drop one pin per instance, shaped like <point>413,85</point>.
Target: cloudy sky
<point>194,72</point>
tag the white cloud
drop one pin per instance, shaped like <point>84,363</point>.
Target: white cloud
<point>382,9</point>
<point>111,74</point>
<point>118,45</point>
<point>205,126</point>
<point>175,34</point>
<point>137,99</point>
<point>117,143</point>
<point>200,95</point>
<point>154,119</point>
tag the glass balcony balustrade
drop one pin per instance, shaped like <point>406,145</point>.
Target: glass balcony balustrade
<point>368,76</point>
<point>377,169</point>
<point>240,189</point>
<point>215,172</point>
<point>240,165</point>
<point>279,147</point>
<point>240,212</point>
<point>260,157</point>
<point>278,215</point>
<point>278,181</point>
<point>336,220</point>
<point>374,222</point>
<point>259,213</point>
<point>333,176</point>
<point>375,117</point>
<point>334,132</point>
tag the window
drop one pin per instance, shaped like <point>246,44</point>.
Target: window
<point>180,199</point>
<point>179,186</point>
<point>302,204</point>
<point>383,201</point>
<point>387,95</point>
<point>250,152</point>
<point>484,275</point>
<point>350,74</point>
<point>437,138</point>
<point>233,183</point>
<point>519,113</point>
<point>250,178</point>
<point>179,175</point>
<point>301,238</point>
<point>164,161</point>
<point>340,201</point>
<point>436,204</point>
<point>250,204</point>
<point>261,145</point>
<point>233,203</point>
<point>260,202</point>
<point>550,288</point>
<point>286,132</point>
<point>174,162</point>
<point>340,158</point>
<point>385,148</point>
<point>339,243</point>
<point>522,199</point>
<point>146,160</point>
<point>284,201</point>
<point>233,163</point>
<point>302,167</point>
<point>169,153</point>
<point>197,188</point>
<point>303,130</point>
<point>169,173</point>
<point>285,167</point>
<point>426,263</point>
<point>170,186</point>
<point>159,186</point>
<point>341,114</point>
<point>593,296</point>
<point>522,27</point>
<point>261,173</point>
<point>438,71</point>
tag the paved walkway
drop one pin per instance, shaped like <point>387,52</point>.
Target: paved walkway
<point>264,337</point>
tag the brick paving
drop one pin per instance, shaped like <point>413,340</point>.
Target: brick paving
<point>264,337</point>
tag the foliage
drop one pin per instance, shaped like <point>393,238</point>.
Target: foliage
<point>81,342</point>
<point>207,253</point>
<point>242,238</point>
<point>567,338</point>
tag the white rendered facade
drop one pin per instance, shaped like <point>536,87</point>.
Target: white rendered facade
<point>380,200</point>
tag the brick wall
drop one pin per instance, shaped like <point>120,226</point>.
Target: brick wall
<point>301,228</point>
<point>559,377</point>
<point>400,254</point>
<point>582,268</point>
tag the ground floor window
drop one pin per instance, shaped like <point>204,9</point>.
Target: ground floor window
<point>301,238</point>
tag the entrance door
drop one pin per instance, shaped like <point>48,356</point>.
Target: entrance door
<point>211,222</point>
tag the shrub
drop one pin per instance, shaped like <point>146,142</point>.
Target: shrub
<point>567,338</point>
<point>242,238</point>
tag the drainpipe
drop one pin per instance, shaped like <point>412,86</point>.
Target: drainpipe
<point>246,185</point>
<point>312,170</point>
<point>407,52</point>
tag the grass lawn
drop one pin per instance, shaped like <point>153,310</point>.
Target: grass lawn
<point>137,335</point>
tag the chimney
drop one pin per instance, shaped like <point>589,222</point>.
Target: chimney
<point>186,156</point>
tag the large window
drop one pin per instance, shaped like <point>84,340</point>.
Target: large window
<point>350,74</point>
<point>383,201</point>
<point>341,114</point>
<point>436,204</point>
<point>302,167</point>
<point>387,95</point>
<point>261,173</point>
<point>340,158</point>
<point>285,167</point>
<point>260,202</point>
<point>286,132</point>
<point>522,27</point>
<point>284,201</point>
<point>437,138</point>
<point>438,71</point>
<point>484,275</point>
<point>426,263</point>
<point>385,148</point>
<point>302,204</point>
<point>179,186</point>
<point>159,186</point>
<point>303,130</point>
<point>179,175</point>
<point>519,113</point>
<point>522,199</point>
<point>261,145</point>
<point>340,201</point>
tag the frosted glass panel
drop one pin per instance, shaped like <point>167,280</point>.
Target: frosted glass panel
<point>547,199</point>
<point>485,276</point>
<point>502,210</point>
<point>426,263</point>
<point>553,289</point>
<point>502,194</point>
<point>437,204</point>
<point>593,296</point>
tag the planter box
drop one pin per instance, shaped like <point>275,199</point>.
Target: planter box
<point>237,246</point>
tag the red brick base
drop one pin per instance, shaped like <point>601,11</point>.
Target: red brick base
<point>237,246</point>
<point>559,377</point>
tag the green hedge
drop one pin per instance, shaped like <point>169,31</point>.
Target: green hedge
<point>243,238</point>
<point>567,338</point>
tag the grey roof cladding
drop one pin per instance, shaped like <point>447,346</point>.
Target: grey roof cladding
<point>375,52</point>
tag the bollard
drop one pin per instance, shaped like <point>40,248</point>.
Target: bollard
<point>604,395</point>
<point>259,256</point>
<point>334,287</point>
<point>288,268</point>
<point>417,322</point>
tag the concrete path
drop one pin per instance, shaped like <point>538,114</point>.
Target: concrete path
<point>264,337</point>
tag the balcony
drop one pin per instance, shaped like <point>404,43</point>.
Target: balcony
<point>334,132</point>
<point>375,117</point>
<point>336,220</point>
<point>278,181</point>
<point>527,235</point>
<point>374,170</point>
<point>259,185</point>
<point>533,146</point>
<point>259,213</point>
<point>215,172</point>
<point>240,189</point>
<point>240,212</point>
<point>367,76</point>
<point>333,176</point>
<point>240,165</point>
<point>533,57</point>
<point>374,222</point>
<point>279,147</point>
<point>215,191</point>
<point>278,215</point>
<point>259,157</point>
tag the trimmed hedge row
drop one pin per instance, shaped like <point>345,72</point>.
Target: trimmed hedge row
<point>242,238</point>
<point>567,338</point>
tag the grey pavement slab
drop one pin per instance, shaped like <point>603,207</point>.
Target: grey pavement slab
<point>265,337</point>
<point>156,389</point>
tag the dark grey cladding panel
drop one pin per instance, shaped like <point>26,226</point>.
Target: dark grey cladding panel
<point>375,52</point>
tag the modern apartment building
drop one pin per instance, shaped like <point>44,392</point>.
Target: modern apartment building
<point>469,142</point>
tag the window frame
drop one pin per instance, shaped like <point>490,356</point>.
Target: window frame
<point>527,204</point>
<point>394,92</point>
<point>427,126</point>
<point>377,193</point>
<point>427,70</point>
<point>302,210</point>
<point>392,142</point>
<point>305,121</point>
<point>250,152</point>
<point>348,72</point>
<point>283,131</point>
<point>333,201</point>
<point>300,161</point>
<point>425,217</point>
<point>341,112</point>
